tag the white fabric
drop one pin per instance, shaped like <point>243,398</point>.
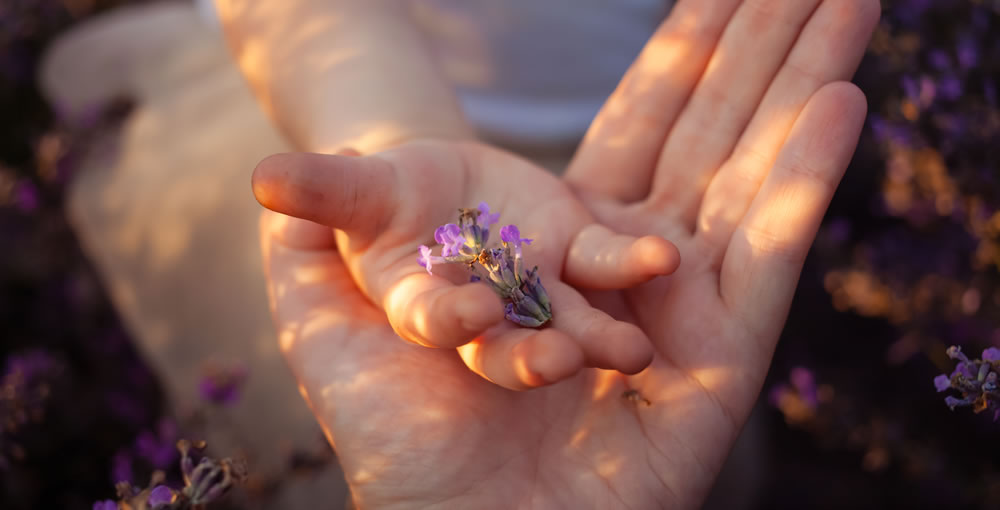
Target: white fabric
<point>536,71</point>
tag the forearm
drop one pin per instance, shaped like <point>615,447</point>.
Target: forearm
<point>341,73</point>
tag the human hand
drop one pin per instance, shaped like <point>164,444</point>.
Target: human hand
<point>740,180</point>
<point>386,205</point>
<point>738,129</point>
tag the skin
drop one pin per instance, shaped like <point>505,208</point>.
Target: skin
<point>737,178</point>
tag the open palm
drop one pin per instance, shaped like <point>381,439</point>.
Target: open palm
<point>727,137</point>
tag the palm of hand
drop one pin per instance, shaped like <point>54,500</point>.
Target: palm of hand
<point>413,427</point>
<point>389,205</point>
<point>567,445</point>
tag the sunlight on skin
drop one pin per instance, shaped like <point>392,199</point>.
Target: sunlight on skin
<point>715,331</point>
<point>631,128</point>
<point>735,184</point>
<point>469,61</point>
<point>605,380</point>
<point>310,273</point>
<point>609,465</point>
<point>278,45</point>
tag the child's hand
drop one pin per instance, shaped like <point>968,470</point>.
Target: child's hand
<point>386,205</point>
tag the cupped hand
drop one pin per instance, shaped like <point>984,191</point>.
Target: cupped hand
<point>728,137</point>
<point>386,205</point>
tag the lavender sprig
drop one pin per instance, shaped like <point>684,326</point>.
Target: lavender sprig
<point>976,379</point>
<point>502,268</point>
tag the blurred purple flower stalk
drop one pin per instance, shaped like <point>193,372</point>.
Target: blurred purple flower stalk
<point>527,302</point>
<point>205,482</point>
<point>976,379</point>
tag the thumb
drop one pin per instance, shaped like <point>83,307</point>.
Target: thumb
<point>353,194</point>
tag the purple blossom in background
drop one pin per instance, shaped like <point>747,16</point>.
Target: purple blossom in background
<point>949,87</point>
<point>968,53</point>
<point>160,495</point>
<point>220,384</point>
<point>975,379</point>
<point>159,448</point>
<point>991,354</point>
<point>105,505</point>
<point>121,467</point>
<point>942,382</point>
<point>939,59</point>
<point>804,382</point>
<point>26,196</point>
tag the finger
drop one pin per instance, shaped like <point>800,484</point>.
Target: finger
<point>829,49</point>
<point>353,194</point>
<point>521,359</point>
<point>605,342</point>
<point>749,54</point>
<point>620,150</point>
<point>598,258</point>
<point>764,258</point>
<point>431,311</point>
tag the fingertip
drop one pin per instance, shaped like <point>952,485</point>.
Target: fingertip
<point>547,357</point>
<point>266,178</point>
<point>655,256</point>
<point>634,352</point>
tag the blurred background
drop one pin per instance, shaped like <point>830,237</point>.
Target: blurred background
<point>906,264</point>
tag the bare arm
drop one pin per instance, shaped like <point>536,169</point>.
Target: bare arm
<point>341,73</point>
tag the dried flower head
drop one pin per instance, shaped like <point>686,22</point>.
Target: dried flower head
<point>502,268</point>
<point>975,379</point>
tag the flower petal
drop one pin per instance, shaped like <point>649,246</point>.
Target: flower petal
<point>942,382</point>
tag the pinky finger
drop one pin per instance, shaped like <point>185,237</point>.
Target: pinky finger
<point>601,259</point>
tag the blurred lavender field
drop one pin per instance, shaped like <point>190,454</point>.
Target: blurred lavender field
<point>905,266</point>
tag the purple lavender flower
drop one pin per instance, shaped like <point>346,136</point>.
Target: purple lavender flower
<point>953,402</point>
<point>221,384</point>
<point>107,504</point>
<point>804,382</point>
<point>968,53</point>
<point>426,260</point>
<point>950,87</point>
<point>158,448</point>
<point>121,467</point>
<point>511,234</point>
<point>964,368</point>
<point>942,382</point>
<point>976,379</point>
<point>955,352</point>
<point>991,354</point>
<point>450,238</point>
<point>26,196</point>
<point>161,495</point>
<point>485,219</point>
<point>527,301</point>
<point>529,322</point>
<point>939,59</point>
<point>209,480</point>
